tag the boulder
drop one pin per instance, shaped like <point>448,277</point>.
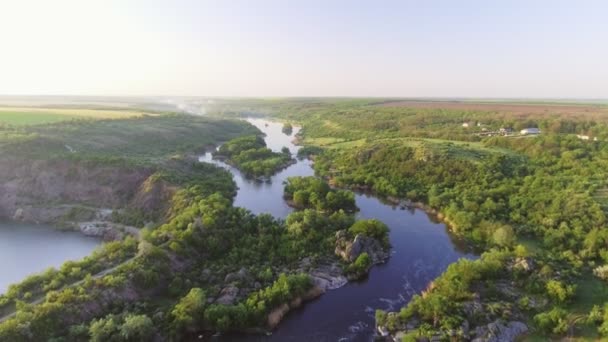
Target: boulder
<point>228,295</point>
<point>241,276</point>
<point>105,230</point>
<point>524,264</point>
<point>205,274</point>
<point>473,308</point>
<point>499,331</point>
<point>350,250</point>
<point>18,214</point>
<point>328,277</point>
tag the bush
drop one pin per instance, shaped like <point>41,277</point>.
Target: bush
<point>371,228</point>
<point>360,266</point>
<point>553,321</point>
<point>601,272</point>
<point>560,292</point>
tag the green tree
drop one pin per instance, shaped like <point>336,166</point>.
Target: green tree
<point>189,310</point>
<point>104,329</point>
<point>504,236</point>
<point>137,328</point>
<point>372,228</point>
<point>559,291</point>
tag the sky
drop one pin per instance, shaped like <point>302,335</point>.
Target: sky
<point>425,48</point>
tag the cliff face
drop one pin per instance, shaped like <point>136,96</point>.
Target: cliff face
<point>44,190</point>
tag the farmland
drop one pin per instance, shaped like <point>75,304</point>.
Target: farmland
<point>23,116</point>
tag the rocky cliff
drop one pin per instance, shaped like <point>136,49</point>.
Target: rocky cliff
<point>54,189</point>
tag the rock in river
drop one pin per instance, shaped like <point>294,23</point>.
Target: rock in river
<point>350,250</point>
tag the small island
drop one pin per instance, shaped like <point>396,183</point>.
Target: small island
<point>250,155</point>
<point>311,192</point>
<point>287,129</point>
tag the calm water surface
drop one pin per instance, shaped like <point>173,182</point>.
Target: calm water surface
<point>26,249</point>
<point>421,250</point>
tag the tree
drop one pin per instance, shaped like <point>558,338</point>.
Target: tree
<point>553,321</point>
<point>360,266</point>
<point>504,236</point>
<point>300,198</point>
<point>104,329</point>
<point>372,228</point>
<point>137,328</point>
<point>189,310</point>
<point>558,291</point>
<point>287,128</point>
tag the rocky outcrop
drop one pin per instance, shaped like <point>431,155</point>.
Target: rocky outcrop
<point>18,216</point>
<point>51,191</point>
<point>499,331</point>
<point>26,183</point>
<point>523,264</point>
<point>107,230</point>
<point>228,295</point>
<point>242,276</point>
<point>328,277</point>
<point>350,250</point>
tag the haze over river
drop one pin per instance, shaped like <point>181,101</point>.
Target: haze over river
<point>421,250</point>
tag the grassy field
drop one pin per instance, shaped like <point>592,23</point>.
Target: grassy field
<point>22,116</point>
<point>474,151</point>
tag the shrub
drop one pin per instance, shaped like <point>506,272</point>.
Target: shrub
<point>601,272</point>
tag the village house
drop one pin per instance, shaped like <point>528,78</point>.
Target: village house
<point>505,130</point>
<point>529,131</point>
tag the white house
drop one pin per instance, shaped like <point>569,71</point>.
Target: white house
<point>529,131</point>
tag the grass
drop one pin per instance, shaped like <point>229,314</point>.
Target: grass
<point>24,116</point>
<point>474,151</point>
<point>532,244</point>
<point>590,291</point>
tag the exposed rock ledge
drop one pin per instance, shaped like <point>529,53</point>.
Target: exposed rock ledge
<point>109,231</point>
<point>328,277</point>
<point>350,250</point>
<point>497,331</point>
<point>500,331</point>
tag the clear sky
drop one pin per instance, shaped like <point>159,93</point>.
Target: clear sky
<point>424,48</point>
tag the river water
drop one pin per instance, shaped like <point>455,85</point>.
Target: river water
<point>26,249</point>
<point>422,249</point>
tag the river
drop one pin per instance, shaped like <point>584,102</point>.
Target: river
<point>26,249</point>
<point>422,249</point>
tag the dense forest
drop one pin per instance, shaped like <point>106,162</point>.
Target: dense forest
<point>534,205</point>
<point>537,201</point>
